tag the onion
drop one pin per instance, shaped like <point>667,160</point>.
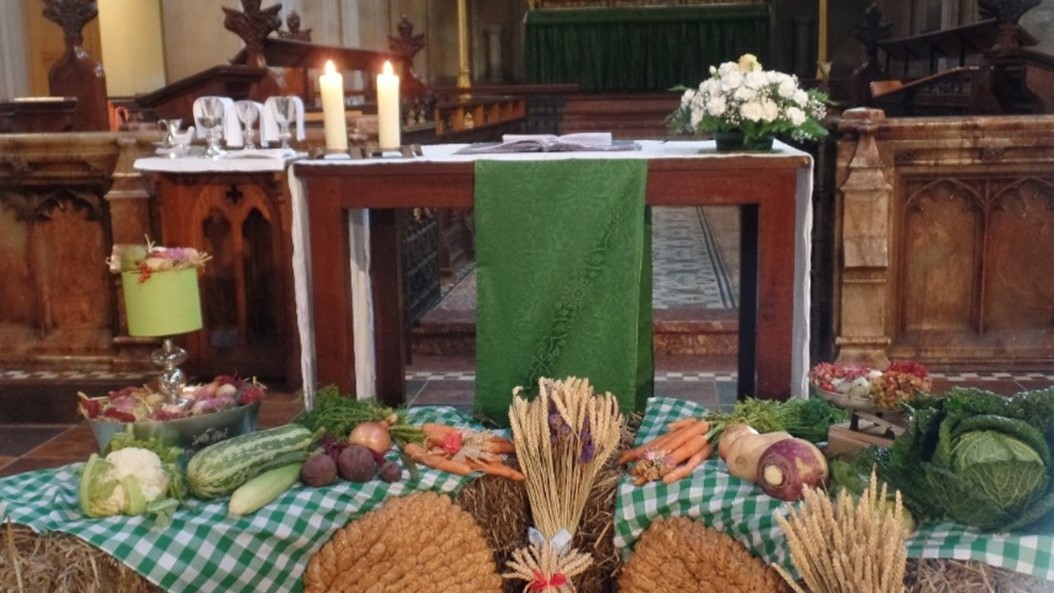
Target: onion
<point>372,435</point>
<point>787,467</point>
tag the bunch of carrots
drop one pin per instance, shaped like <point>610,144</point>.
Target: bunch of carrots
<point>462,451</point>
<point>672,455</point>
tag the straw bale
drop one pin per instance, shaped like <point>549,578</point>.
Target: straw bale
<point>61,563</point>
<point>962,576</point>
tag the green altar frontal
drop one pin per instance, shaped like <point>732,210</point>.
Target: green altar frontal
<point>641,49</point>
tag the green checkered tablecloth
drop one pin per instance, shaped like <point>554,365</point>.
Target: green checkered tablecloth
<point>203,550</point>
<point>742,510</point>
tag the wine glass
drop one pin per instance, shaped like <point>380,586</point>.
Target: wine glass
<point>284,110</point>
<point>211,117</point>
<point>248,113</point>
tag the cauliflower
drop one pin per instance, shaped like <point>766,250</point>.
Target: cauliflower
<point>130,481</point>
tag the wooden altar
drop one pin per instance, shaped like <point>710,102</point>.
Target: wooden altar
<point>766,188</point>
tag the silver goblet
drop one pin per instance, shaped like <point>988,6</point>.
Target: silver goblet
<point>211,117</point>
<point>248,113</point>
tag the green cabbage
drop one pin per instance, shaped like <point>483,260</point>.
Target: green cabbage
<point>986,470</point>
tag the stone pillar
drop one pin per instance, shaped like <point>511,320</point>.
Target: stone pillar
<point>493,36</point>
<point>13,77</point>
<point>863,243</point>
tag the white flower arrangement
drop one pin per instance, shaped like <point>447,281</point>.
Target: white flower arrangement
<point>759,103</point>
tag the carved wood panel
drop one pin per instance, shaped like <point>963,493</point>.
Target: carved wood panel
<point>976,273</point>
<point>56,297</point>
<point>240,220</point>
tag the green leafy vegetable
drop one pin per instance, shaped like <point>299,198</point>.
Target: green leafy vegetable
<point>969,461</point>
<point>808,419</point>
<point>337,415</point>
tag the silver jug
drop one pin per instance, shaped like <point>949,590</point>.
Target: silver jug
<point>170,127</point>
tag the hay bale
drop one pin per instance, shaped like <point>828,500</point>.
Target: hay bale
<point>61,563</point>
<point>964,576</point>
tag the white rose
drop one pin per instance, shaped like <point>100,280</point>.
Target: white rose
<point>769,110</point>
<point>751,111</point>
<point>801,97</point>
<point>686,98</point>
<point>796,116</point>
<point>716,106</point>
<point>788,87</point>
<point>732,81</point>
<point>744,93</point>
<point>755,80</point>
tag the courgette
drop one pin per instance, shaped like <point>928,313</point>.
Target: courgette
<point>257,492</point>
<point>220,468</point>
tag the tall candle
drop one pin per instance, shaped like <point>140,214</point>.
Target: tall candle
<point>389,126</point>
<point>331,84</point>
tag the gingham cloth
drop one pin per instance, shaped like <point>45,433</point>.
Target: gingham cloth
<point>203,550</point>
<point>743,511</point>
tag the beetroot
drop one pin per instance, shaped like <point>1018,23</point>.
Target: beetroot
<point>390,471</point>
<point>356,464</point>
<point>789,466</point>
<point>318,470</point>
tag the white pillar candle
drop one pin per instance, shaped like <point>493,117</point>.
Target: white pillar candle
<point>331,84</point>
<point>389,126</point>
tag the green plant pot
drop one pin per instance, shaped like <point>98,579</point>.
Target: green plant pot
<point>166,304</point>
<point>735,141</point>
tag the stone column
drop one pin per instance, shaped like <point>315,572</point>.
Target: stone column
<point>13,78</point>
<point>864,240</point>
<point>493,36</point>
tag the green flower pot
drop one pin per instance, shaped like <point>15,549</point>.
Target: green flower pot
<point>736,141</point>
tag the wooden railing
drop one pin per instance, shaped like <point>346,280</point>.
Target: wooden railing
<point>942,240</point>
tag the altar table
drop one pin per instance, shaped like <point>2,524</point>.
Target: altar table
<point>772,190</point>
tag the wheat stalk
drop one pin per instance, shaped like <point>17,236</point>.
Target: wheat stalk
<point>563,438</point>
<point>847,546</point>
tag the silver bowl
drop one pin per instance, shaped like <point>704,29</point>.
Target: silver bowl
<point>192,433</point>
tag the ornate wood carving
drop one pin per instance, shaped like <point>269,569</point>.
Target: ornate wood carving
<point>969,276</point>
<point>76,74</point>
<point>253,25</point>
<point>60,211</point>
<point>292,23</point>
<point>406,45</point>
<point>1008,13</point>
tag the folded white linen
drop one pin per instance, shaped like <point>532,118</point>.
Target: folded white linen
<point>269,122</point>
<point>232,128</point>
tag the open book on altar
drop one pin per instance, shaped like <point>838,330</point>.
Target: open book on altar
<point>582,141</point>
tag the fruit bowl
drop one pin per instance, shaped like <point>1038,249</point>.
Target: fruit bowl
<point>191,433</point>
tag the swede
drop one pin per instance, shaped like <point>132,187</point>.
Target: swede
<point>789,466</point>
<point>729,436</point>
<point>745,451</point>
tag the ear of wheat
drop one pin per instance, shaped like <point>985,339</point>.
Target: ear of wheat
<point>563,437</point>
<point>848,546</point>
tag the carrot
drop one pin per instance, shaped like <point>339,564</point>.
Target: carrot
<point>499,445</point>
<point>497,469</point>
<point>437,432</point>
<point>685,434</point>
<point>679,424</point>
<point>422,456</point>
<point>684,470</point>
<point>686,450</point>
<point>652,445</point>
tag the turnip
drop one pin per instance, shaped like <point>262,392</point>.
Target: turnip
<point>729,436</point>
<point>745,451</point>
<point>788,466</point>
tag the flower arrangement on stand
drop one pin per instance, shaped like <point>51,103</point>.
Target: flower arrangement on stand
<point>860,386</point>
<point>742,101</point>
<point>563,438</point>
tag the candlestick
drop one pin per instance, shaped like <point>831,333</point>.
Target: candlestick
<point>463,79</point>
<point>331,84</point>
<point>822,50</point>
<point>388,123</point>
